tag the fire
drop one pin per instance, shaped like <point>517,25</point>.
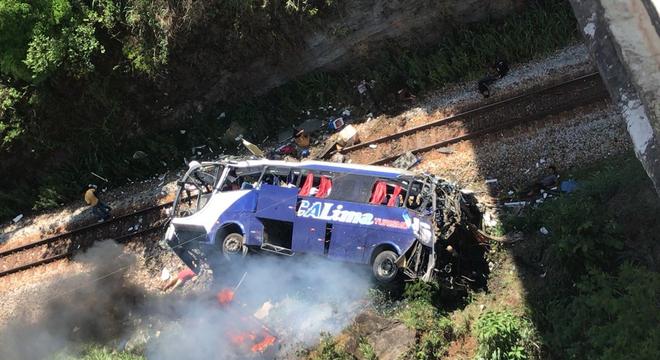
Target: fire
<point>267,340</point>
<point>258,340</point>
<point>263,344</point>
<point>225,296</point>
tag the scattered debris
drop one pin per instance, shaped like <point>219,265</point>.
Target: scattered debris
<point>373,146</point>
<point>489,219</point>
<point>568,186</point>
<point>311,126</point>
<point>348,136</point>
<point>328,148</point>
<point>139,155</point>
<point>516,203</point>
<point>102,178</point>
<point>338,157</point>
<point>165,274</point>
<point>263,311</point>
<point>336,124</point>
<point>406,161</point>
<point>544,231</point>
<point>362,87</point>
<point>491,181</point>
<point>254,149</point>
<point>446,150</point>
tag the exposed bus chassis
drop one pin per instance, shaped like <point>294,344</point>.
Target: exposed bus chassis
<point>453,210</point>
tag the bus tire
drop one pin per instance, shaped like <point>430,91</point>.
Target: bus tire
<point>384,267</point>
<point>233,246</point>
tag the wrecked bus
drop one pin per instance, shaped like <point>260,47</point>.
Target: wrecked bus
<point>382,217</point>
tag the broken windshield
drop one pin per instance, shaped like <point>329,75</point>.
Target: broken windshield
<point>196,188</point>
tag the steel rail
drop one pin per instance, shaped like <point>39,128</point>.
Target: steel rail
<point>54,238</point>
<point>69,253</point>
<point>471,112</point>
<point>490,129</point>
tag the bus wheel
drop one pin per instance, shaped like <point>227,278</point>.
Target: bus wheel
<point>233,246</point>
<point>384,267</point>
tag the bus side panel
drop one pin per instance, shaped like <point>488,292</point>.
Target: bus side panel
<point>240,213</point>
<point>276,202</point>
<point>255,233</point>
<point>401,241</point>
<point>308,236</point>
<point>347,242</point>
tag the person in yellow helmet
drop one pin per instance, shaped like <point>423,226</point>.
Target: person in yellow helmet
<point>100,209</point>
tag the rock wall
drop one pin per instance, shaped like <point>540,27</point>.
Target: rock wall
<point>623,38</point>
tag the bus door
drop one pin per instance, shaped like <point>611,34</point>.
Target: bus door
<point>312,228</point>
<point>276,207</point>
<point>348,241</point>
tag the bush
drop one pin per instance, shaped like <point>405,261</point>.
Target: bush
<point>422,290</point>
<point>585,230</point>
<point>504,336</point>
<point>39,37</point>
<point>600,297</point>
<point>11,124</point>
<point>367,351</point>
<point>612,316</point>
<point>328,349</point>
<point>435,329</point>
<point>95,352</point>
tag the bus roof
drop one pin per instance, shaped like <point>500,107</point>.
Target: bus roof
<point>358,169</point>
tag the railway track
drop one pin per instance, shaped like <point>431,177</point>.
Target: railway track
<point>64,245</point>
<point>480,121</point>
<point>466,125</point>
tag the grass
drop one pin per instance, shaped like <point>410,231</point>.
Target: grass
<point>464,53</point>
<point>504,336</point>
<point>96,352</point>
<point>600,294</point>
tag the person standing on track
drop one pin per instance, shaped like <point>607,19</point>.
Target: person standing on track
<point>100,209</point>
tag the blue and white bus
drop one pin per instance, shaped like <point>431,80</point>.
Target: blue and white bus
<point>380,216</point>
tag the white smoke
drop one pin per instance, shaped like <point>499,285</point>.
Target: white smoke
<point>77,308</point>
<point>304,297</point>
<point>309,296</point>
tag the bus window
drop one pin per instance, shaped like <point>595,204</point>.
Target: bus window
<point>316,184</point>
<point>196,188</point>
<point>419,196</point>
<point>278,177</point>
<point>385,193</point>
<point>241,179</point>
<point>325,187</point>
<point>350,187</point>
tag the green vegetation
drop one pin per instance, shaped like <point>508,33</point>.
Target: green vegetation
<point>422,313</point>
<point>600,296</point>
<point>84,85</point>
<point>328,349</point>
<point>96,352</point>
<point>367,351</point>
<point>503,335</point>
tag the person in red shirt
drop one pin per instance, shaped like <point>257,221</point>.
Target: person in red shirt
<point>183,276</point>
